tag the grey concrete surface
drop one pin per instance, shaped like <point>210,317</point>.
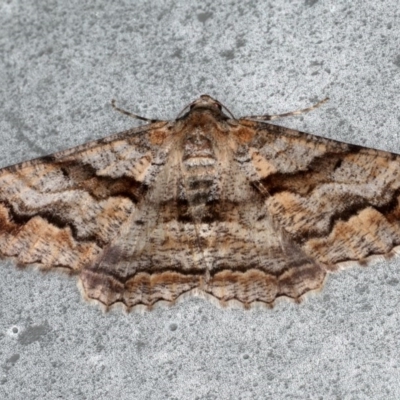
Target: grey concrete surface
<point>60,65</point>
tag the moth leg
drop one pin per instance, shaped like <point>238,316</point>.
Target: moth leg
<point>289,114</point>
<point>129,114</point>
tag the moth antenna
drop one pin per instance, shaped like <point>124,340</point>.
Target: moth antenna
<point>129,114</point>
<point>184,110</point>
<point>288,114</point>
<point>227,109</point>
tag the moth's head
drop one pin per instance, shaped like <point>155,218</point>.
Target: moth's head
<point>206,102</point>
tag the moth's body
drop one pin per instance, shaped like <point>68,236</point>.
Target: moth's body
<point>203,216</point>
<point>237,210</point>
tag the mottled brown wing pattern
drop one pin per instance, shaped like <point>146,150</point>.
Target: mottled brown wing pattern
<point>239,211</point>
<point>62,210</point>
<point>339,202</point>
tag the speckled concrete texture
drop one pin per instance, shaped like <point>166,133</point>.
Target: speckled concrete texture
<point>60,65</point>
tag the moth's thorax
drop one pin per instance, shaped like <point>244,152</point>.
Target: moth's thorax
<point>197,149</point>
<point>201,131</point>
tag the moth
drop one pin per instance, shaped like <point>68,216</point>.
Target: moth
<point>239,211</point>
